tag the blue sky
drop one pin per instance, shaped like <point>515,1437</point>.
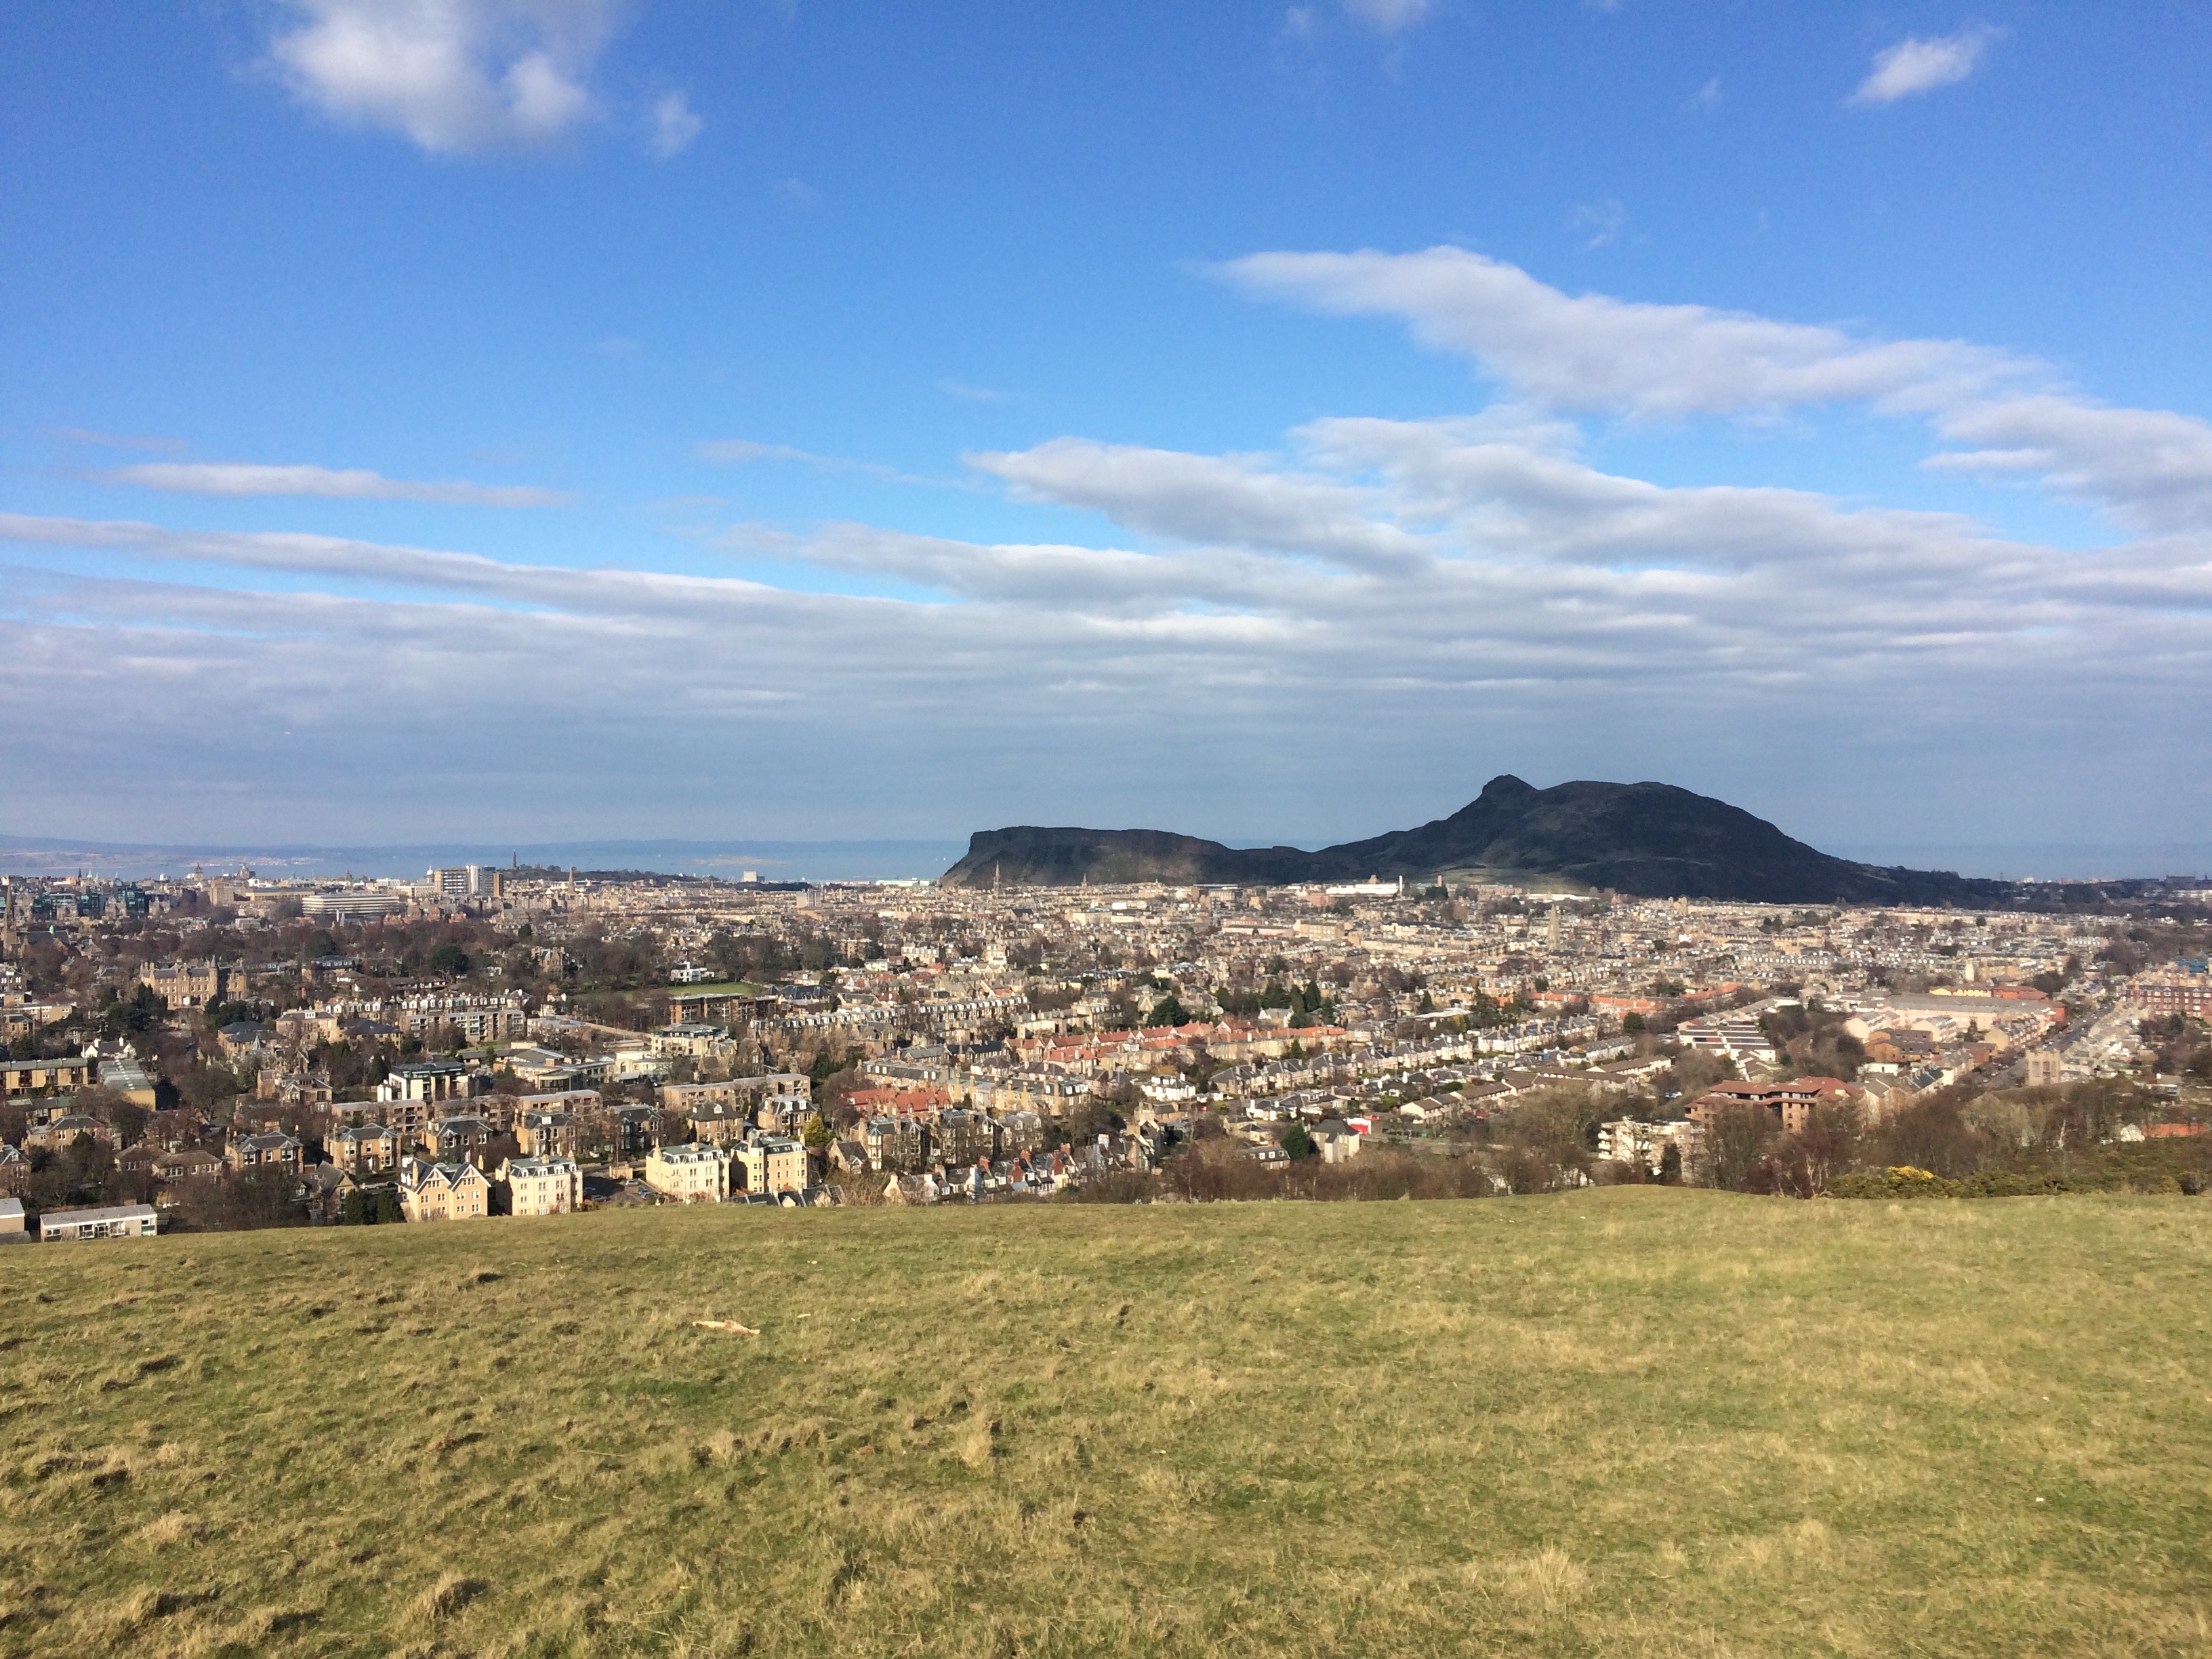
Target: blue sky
<point>551,418</point>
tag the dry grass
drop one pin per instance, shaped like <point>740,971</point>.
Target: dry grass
<point>1636,1421</point>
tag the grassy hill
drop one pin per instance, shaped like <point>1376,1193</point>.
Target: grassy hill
<point>1633,1421</point>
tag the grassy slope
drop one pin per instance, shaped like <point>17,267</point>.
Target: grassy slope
<point>1634,1421</point>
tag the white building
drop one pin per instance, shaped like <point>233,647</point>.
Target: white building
<point>542,1186</point>
<point>110,1221</point>
<point>773,1164</point>
<point>691,1174</point>
<point>1629,1140</point>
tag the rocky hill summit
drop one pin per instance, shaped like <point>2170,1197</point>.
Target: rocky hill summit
<point>1648,840</point>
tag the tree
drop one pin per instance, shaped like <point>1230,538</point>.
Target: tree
<point>1632,1023</point>
<point>1670,1164</point>
<point>450,960</point>
<point>387,1208</point>
<point>815,1133</point>
<point>141,1011</point>
<point>216,1015</point>
<point>129,1121</point>
<point>1736,1140</point>
<point>1168,1011</point>
<point>1297,1143</point>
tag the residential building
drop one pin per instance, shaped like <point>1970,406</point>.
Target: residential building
<point>187,1163</point>
<point>363,1148</point>
<point>273,1151</point>
<point>896,1144</point>
<point>542,1186</point>
<point>1630,1141</point>
<point>636,1130</point>
<point>773,1164</point>
<point>575,1101</point>
<point>690,1174</point>
<point>547,1134</point>
<point>107,1221</point>
<point>442,1192</point>
<point>195,984</point>
<point>733,1091</point>
<point>58,1134</point>
<point>964,1136</point>
<point>431,1080</point>
<point>1792,1102</point>
<point>459,1139</point>
<point>36,1077</point>
<point>718,1121</point>
<point>129,1079</point>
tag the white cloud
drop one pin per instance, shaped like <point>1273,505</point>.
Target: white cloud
<point>2152,468</point>
<point>1209,498</point>
<point>1914,65</point>
<point>674,126</point>
<point>1390,16</point>
<point>348,484</point>
<point>1706,97</point>
<point>1591,352</point>
<point>453,75</point>
<point>1594,354</point>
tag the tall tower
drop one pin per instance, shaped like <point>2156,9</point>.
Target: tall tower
<point>1552,929</point>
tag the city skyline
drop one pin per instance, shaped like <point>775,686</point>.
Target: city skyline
<point>520,422</point>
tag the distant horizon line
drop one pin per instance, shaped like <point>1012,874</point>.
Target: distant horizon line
<point>897,857</point>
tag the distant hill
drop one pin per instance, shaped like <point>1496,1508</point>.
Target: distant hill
<point>1650,840</point>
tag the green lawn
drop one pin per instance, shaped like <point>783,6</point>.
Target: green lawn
<point>1633,1421</point>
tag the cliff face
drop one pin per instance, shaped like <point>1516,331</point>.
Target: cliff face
<point>1650,840</point>
<point>1029,856</point>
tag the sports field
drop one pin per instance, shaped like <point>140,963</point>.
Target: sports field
<point>1636,1420</point>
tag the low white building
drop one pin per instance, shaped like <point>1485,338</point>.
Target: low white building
<point>108,1221</point>
<point>1630,1139</point>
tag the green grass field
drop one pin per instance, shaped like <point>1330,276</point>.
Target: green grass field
<point>1629,1421</point>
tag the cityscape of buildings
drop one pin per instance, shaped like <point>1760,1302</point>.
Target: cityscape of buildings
<point>224,1050</point>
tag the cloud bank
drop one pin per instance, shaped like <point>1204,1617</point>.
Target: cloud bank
<point>1338,635</point>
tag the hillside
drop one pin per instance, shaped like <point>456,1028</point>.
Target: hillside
<point>1650,840</point>
<point>1632,1421</point>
